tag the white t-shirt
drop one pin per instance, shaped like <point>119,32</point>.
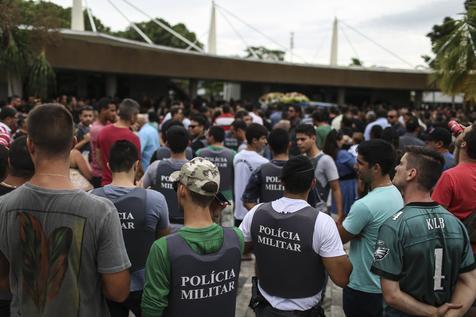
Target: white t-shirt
<point>326,242</point>
<point>245,162</point>
<point>256,119</point>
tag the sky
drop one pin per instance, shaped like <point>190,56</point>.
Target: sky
<point>399,26</point>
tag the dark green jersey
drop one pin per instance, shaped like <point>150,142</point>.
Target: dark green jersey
<point>425,248</point>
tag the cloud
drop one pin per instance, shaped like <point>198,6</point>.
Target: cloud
<point>420,17</point>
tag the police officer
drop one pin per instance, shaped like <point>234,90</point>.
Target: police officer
<point>194,272</point>
<point>157,175</point>
<point>305,243</point>
<point>264,184</point>
<point>222,157</point>
<point>423,254</point>
<point>144,217</point>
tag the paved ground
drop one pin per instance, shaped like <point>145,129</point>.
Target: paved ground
<point>332,303</point>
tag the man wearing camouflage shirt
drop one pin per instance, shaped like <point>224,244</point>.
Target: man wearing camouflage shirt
<point>423,254</point>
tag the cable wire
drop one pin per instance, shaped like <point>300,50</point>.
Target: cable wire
<point>377,44</point>
<point>132,24</point>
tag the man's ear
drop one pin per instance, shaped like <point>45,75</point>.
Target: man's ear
<point>30,146</point>
<point>136,165</point>
<point>412,173</point>
<point>182,191</point>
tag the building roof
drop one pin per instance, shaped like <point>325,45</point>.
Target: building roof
<point>96,52</point>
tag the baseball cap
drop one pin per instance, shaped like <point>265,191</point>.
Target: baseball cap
<point>198,175</point>
<point>440,134</point>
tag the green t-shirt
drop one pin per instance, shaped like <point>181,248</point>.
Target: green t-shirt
<point>157,270</point>
<point>364,220</point>
<point>321,135</point>
<point>425,248</point>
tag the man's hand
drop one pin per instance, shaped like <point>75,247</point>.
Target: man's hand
<point>443,309</point>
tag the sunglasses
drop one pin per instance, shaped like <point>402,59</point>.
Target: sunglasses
<point>175,186</point>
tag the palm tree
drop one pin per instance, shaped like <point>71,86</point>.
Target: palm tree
<point>22,52</point>
<point>455,60</point>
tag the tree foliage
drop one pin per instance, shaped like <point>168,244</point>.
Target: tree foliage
<point>160,36</point>
<point>355,61</point>
<point>264,53</point>
<point>453,43</point>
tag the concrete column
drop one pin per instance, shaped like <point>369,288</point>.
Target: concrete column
<point>82,86</point>
<point>341,96</point>
<point>231,91</point>
<point>418,98</point>
<point>14,85</point>
<point>111,85</point>
<point>77,18</point>
<point>192,88</point>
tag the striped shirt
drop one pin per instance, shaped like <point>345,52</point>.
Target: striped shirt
<point>5,135</point>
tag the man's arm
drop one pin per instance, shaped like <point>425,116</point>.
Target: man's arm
<point>83,142</point>
<point>337,194</point>
<point>155,296</point>
<point>251,194</point>
<point>405,303</point>
<point>339,269</point>
<point>359,216</point>
<point>99,158</point>
<point>4,273</point>
<point>464,293</point>
<point>344,234</point>
<point>115,286</point>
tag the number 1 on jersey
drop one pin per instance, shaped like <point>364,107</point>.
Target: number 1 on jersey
<point>438,277</point>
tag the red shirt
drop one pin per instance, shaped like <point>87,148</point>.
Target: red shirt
<point>456,190</point>
<point>106,138</point>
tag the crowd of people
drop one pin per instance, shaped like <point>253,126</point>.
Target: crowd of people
<point>112,206</point>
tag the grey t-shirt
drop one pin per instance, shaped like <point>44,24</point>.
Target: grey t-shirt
<point>156,217</point>
<point>58,243</point>
<point>326,170</point>
<point>150,176</point>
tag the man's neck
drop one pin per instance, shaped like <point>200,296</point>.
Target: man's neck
<point>178,156</point>
<point>302,196</point>
<point>196,216</point>
<point>250,147</point>
<point>381,182</point>
<point>216,144</point>
<point>413,194</point>
<point>463,157</point>
<point>14,181</point>
<point>313,152</point>
<point>122,124</point>
<point>52,174</point>
<point>102,120</point>
<point>123,179</point>
<point>281,157</point>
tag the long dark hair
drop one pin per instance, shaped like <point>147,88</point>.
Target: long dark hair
<point>330,146</point>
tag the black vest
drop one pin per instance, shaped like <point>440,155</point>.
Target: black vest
<point>287,264</point>
<point>318,195</point>
<point>203,285</point>
<point>223,159</point>
<point>271,187</point>
<point>138,238</point>
<point>163,185</point>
